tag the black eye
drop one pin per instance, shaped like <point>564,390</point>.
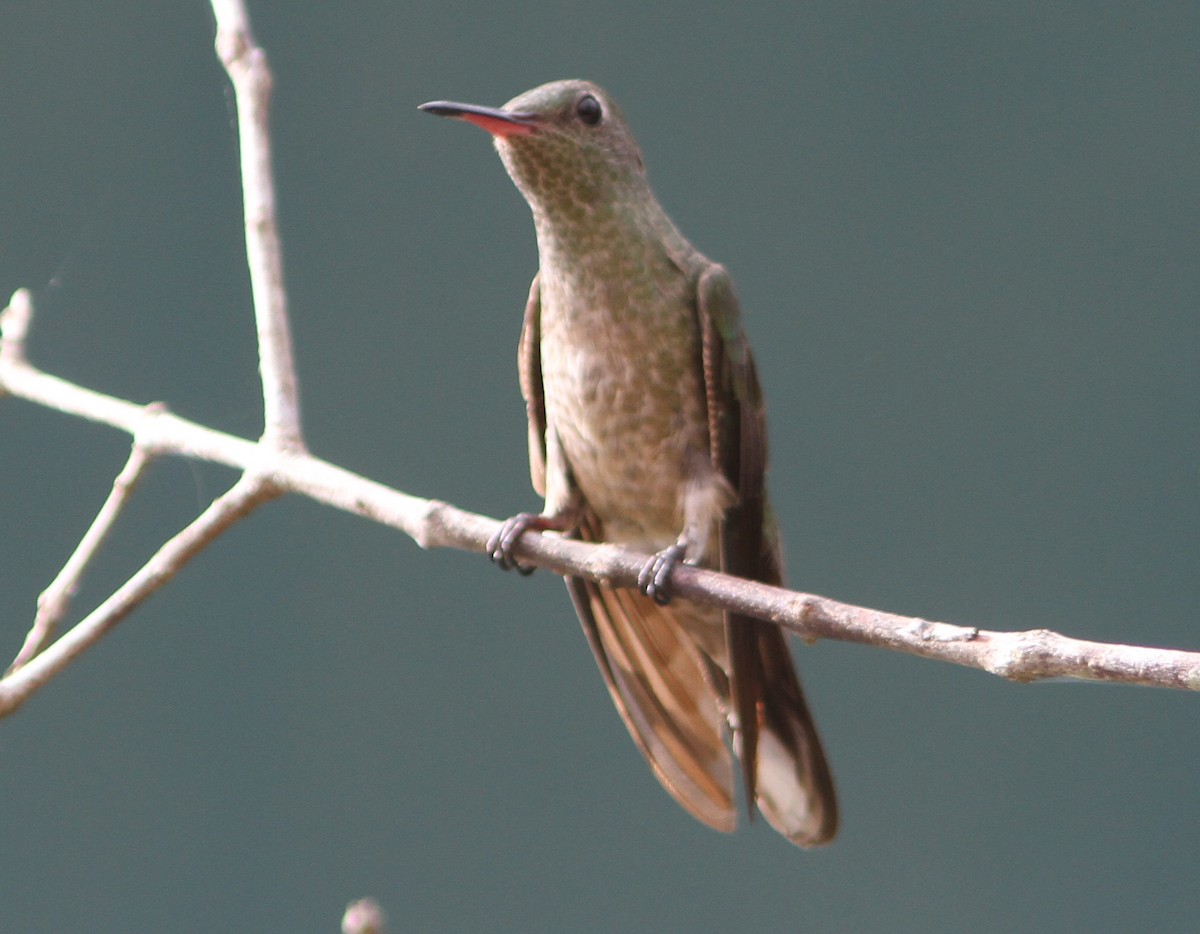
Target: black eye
<point>589,110</point>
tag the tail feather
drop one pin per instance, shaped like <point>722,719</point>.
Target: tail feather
<point>659,682</point>
<point>674,699</point>
<point>795,789</point>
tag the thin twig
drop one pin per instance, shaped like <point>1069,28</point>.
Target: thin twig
<point>14,326</point>
<point>246,64</point>
<point>54,601</point>
<point>237,502</point>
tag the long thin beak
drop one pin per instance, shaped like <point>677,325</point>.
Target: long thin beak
<point>495,121</point>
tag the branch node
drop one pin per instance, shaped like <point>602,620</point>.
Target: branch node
<point>1019,656</point>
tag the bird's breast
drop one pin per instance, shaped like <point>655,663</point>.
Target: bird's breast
<point>624,396</point>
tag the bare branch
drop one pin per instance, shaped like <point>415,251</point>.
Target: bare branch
<point>1018,656</point>
<point>279,462</point>
<point>54,601</point>
<point>250,491</point>
<point>246,64</point>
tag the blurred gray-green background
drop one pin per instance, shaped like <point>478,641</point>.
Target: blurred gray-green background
<point>967,240</point>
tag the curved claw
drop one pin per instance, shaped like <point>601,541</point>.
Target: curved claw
<point>500,546</point>
<point>654,580</point>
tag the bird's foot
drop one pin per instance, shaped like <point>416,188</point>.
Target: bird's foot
<point>654,580</point>
<point>500,546</point>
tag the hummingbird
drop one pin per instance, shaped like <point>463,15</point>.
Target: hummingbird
<point>647,428</point>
